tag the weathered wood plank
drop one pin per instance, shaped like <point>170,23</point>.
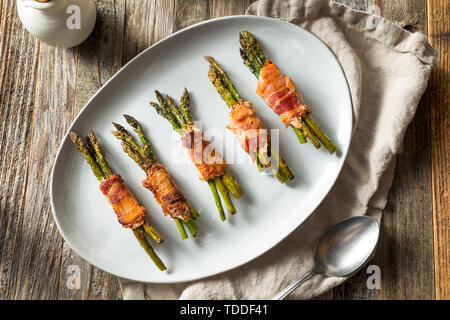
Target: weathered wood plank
<point>139,17</point>
<point>406,244</point>
<point>40,258</point>
<point>39,262</point>
<point>18,64</point>
<point>146,22</point>
<point>100,57</point>
<point>220,8</point>
<point>188,12</point>
<point>439,99</point>
<point>56,78</point>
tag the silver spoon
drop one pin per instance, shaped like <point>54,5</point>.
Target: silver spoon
<point>341,251</point>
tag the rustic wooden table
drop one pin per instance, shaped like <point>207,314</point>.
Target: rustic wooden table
<point>43,88</point>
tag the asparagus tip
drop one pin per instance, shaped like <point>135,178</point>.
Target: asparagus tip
<point>118,127</point>
<point>74,137</point>
<point>131,120</point>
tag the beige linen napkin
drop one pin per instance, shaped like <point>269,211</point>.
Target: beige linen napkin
<point>387,69</point>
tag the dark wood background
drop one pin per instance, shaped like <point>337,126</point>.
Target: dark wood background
<point>43,88</point>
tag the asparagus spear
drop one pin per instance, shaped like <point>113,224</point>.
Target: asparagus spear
<point>180,118</point>
<point>254,58</point>
<point>81,147</point>
<point>224,193</point>
<point>230,95</point>
<point>102,171</point>
<point>145,158</point>
<point>138,129</point>
<point>219,206</point>
<point>139,233</point>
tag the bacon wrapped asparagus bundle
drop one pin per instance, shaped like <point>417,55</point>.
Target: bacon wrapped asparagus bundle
<point>245,124</point>
<point>158,179</point>
<point>211,166</point>
<point>280,94</point>
<point>129,212</point>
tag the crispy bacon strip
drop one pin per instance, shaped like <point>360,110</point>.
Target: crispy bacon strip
<point>208,162</point>
<point>129,213</point>
<point>248,128</point>
<point>281,95</point>
<point>166,193</point>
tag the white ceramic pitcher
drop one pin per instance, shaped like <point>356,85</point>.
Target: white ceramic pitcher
<point>59,23</point>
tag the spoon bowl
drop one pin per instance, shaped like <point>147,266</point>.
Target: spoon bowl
<point>341,250</point>
<point>345,247</point>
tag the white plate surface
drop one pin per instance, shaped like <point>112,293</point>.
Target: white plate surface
<point>267,212</point>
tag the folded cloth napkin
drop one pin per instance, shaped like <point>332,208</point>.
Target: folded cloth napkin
<point>387,69</point>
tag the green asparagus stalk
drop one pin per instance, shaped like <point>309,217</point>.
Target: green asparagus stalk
<point>324,139</point>
<point>213,187</point>
<point>232,185</point>
<point>230,95</point>
<point>194,213</point>
<point>192,227</point>
<point>224,193</point>
<point>300,135</point>
<point>99,154</point>
<point>102,171</point>
<point>138,129</point>
<point>309,134</point>
<point>139,233</point>
<point>125,136</point>
<point>180,226</point>
<point>78,141</point>
<point>185,108</point>
<point>254,58</point>
<point>214,65</point>
<point>133,154</point>
<point>181,119</point>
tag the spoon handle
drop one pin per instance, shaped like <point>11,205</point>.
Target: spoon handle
<point>294,285</point>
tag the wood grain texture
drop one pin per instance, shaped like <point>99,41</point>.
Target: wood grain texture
<point>439,100</point>
<point>220,8</point>
<point>406,243</point>
<point>39,261</point>
<point>146,22</point>
<point>18,63</point>
<point>100,56</point>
